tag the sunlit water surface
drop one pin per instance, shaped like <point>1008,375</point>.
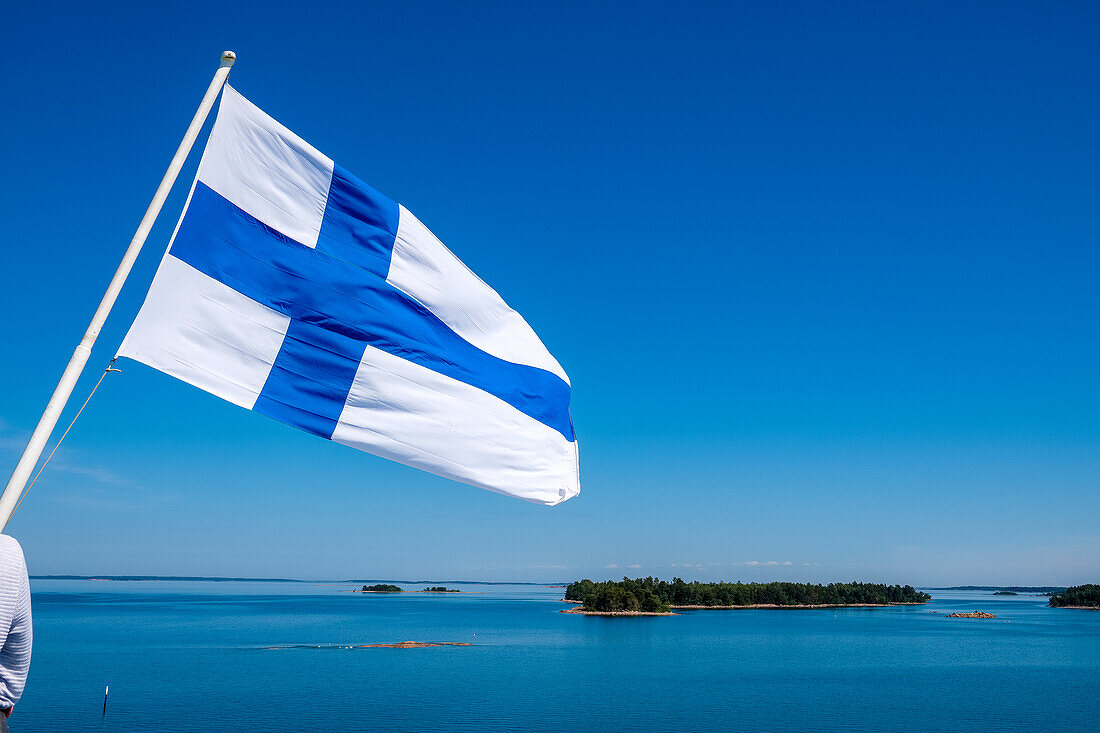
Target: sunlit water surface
<point>183,656</point>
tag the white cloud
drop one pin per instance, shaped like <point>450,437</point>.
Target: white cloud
<point>15,441</point>
<point>612,566</point>
<point>768,563</point>
<point>635,566</point>
<point>104,490</point>
<point>101,475</point>
<point>13,444</point>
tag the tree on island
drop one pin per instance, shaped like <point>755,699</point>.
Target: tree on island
<point>381,588</point>
<point>615,598</point>
<point>441,589</point>
<point>656,596</point>
<point>1080,595</point>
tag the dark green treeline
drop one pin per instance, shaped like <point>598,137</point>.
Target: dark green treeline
<point>1079,595</point>
<point>657,596</point>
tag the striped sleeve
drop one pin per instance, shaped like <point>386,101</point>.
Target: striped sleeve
<point>15,621</point>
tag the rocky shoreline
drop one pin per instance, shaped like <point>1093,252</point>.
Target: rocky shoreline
<point>802,606</point>
<point>413,644</point>
<point>580,610</point>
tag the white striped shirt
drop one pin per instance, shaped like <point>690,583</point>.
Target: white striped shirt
<point>15,621</point>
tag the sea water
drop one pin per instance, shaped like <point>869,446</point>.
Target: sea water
<point>251,656</point>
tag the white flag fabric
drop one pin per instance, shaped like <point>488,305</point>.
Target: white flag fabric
<point>292,288</point>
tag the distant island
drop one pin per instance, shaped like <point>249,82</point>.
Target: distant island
<point>388,588</point>
<point>974,614</point>
<point>1079,596</point>
<point>649,596</point>
<point>1005,593</point>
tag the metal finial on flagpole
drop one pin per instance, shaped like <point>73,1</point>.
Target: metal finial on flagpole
<point>69,377</point>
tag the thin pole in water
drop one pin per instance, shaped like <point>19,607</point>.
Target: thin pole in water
<point>69,377</point>
<point>105,691</point>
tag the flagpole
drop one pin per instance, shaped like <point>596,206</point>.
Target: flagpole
<point>79,358</point>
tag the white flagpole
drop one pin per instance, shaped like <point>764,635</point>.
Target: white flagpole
<point>76,364</point>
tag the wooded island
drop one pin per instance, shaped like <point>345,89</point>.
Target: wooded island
<point>1079,596</point>
<point>649,595</point>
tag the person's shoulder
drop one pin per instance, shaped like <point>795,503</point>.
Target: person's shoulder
<point>10,547</point>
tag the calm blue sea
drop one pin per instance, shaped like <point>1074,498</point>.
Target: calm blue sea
<point>184,656</point>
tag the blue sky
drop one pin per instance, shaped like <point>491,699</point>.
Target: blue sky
<point>823,277</point>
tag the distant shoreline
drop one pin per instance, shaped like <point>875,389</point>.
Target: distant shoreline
<point>220,579</point>
<point>183,578</point>
<point>1014,588</point>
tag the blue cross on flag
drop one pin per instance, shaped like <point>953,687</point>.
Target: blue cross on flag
<point>292,288</point>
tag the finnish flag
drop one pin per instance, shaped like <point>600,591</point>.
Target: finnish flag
<point>292,288</point>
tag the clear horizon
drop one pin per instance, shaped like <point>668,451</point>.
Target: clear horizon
<point>459,581</point>
<point>823,278</point>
